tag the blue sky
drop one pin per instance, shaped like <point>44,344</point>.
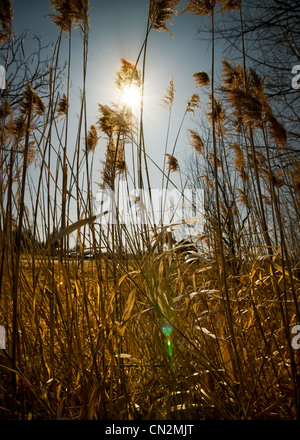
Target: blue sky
<point>117,30</point>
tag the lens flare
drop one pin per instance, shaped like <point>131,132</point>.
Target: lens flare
<point>169,345</point>
<point>167,330</point>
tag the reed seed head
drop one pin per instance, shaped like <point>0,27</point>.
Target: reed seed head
<point>277,131</point>
<point>172,163</point>
<point>231,5</point>
<point>63,105</point>
<point>233,75</point>
<point>5,109</point>
<point>6,18</point>
<point>40,107</point>
<point>218,109</point>
<point>113,120</point>
<point>193,103</point>
<point>69,13</point>
<point>196,141</point>
<point>200,7</point>
<point>161,14</point>
<point>201,79</point>
<point>92,139</point>
<point>128,75</point>
<point>167,100</point>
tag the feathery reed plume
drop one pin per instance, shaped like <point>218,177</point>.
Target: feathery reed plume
<point>6,132</point>
<point>114,164</point>
<point>193,103</point>
<point>92,139</point>
<point>256,83</point>
<point>27,100</point>
<point>196,141</point>
<point>172,163</point>
<point>257,86</point>
<point>233,75</point>
<point>31,154</point>
<point>239,156</point>
<point>19,128</point>
<point>5,109</point>
<point>277,131</point>
<point>40,107</point>
<point>81,11</point>
<point>167,100</point>
<point>63,105</point>
<point>231,5</point>
<point>108,171</point>
<point>106,121</point>
<point>201,79</point>
<point>128,75</point>
<point>200,7</point>
<point>247,108</point>
<point>113,120</point>
<point>125,121</point>
<point>219,112</point>
<point>31,98</point>
<point>69,13</point>
<point>239,161</point>
<point>6,18</point>
<point>250,105</point>
<point>64,18</point>
<point>160,14</point>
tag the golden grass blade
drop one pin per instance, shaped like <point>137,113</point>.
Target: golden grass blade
<point>71,228</point>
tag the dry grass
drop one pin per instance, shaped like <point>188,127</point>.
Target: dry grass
<point>80,357</point>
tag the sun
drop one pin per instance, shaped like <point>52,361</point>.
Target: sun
<point>131,96</point>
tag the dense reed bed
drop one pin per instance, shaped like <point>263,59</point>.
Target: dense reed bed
<point>146,328</point>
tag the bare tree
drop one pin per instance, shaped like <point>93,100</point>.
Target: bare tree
<point>272,48</point>
<point>23,68</point>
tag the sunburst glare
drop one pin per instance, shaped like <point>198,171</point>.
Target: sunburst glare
<point>131,97</point>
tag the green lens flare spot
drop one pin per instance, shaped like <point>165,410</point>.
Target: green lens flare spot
<point>169,345</point>
<point>167,330</point>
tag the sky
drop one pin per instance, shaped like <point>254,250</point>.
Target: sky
<point>117,30</point>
